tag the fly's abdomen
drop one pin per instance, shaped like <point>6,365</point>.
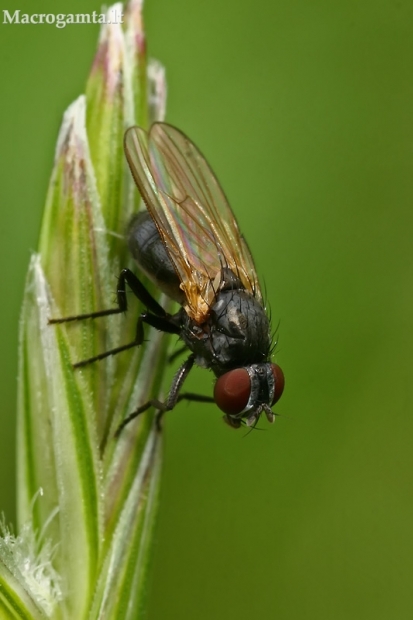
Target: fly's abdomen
<point>149,252</point>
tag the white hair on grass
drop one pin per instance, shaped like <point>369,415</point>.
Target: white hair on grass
<point>29,557</point>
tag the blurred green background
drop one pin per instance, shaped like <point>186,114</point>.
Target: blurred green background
<point>305,110</point>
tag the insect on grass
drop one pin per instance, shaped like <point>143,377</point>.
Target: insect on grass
<point>189,245</point>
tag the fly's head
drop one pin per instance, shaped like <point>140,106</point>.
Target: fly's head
<point>247,392</point>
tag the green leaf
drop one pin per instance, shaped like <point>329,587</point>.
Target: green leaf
<point>70,473</point>
<point>93,520</point>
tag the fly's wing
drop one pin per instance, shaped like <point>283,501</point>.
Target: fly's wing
<point>191,213</point>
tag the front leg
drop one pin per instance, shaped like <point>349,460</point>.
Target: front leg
<point>173,398</point>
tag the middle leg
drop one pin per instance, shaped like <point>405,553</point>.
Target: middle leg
<point>163,324</point>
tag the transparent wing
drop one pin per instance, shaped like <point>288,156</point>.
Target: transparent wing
<point>191,213</point>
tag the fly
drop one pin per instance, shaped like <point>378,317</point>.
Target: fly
<point>189,245</point>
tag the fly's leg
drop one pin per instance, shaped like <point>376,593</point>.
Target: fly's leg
<point>172,400</point>
<point>160,323</point>
<point>159,318</point>
<point>138,289</point>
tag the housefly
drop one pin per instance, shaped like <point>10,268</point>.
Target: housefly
<point>188,243</point>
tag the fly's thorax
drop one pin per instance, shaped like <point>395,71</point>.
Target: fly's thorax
<point>236,333</point>
<point>149,252</point>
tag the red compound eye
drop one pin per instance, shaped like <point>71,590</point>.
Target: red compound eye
<point>279,382</point>
<point>232,391</point>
